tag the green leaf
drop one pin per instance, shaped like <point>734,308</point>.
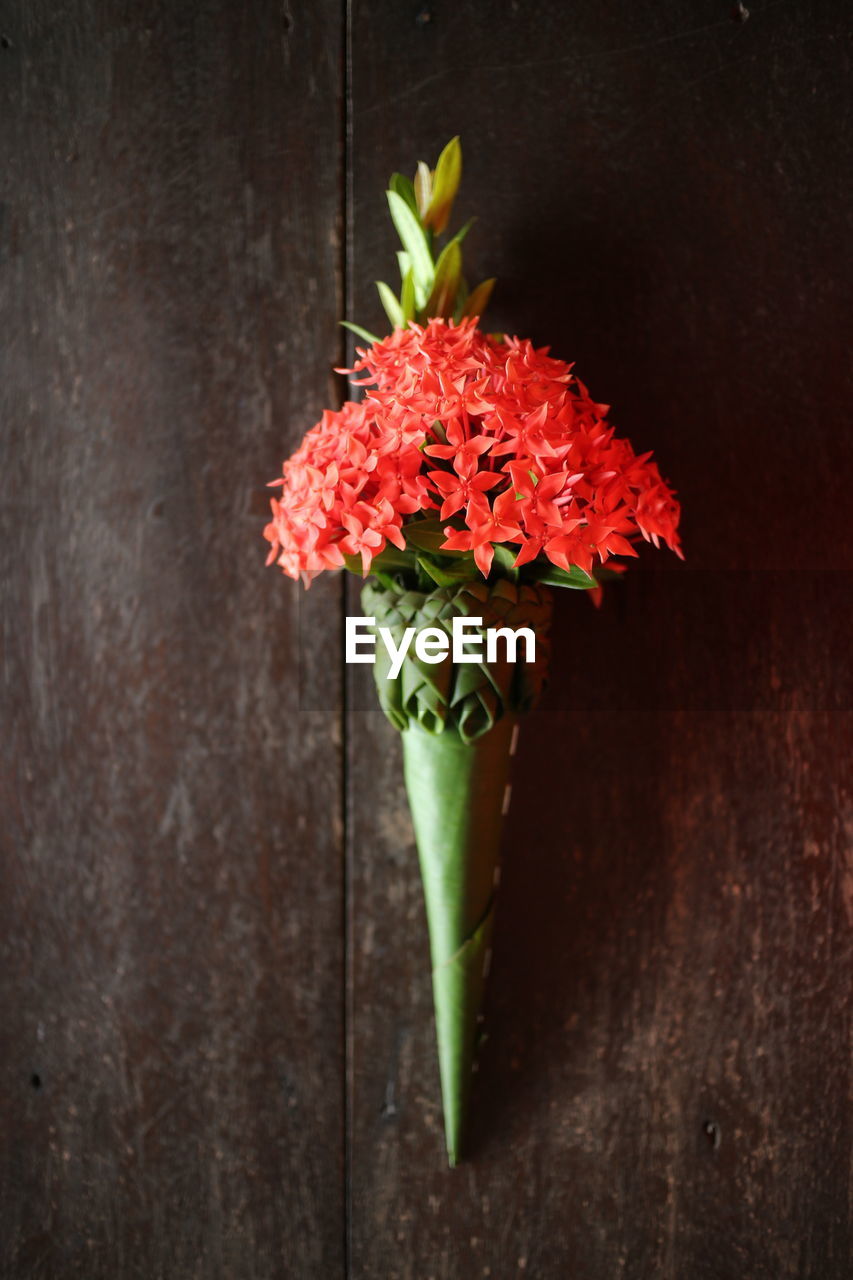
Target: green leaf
<point>407,297</point>
<point>391,559</point>
<point>426,535</point>
<point>448,175</point>
<point>550,576</point>
<point>404,188</point>
<point>414,240</point>
<point>391,303</point>
<point>447,573</point>
<point>479,299</point>
<point>361,333</point>
<point>404,262</point>
<point>461,299</point>
<point>448,272</point>
<point>422,188</point>
<point>505,559</point>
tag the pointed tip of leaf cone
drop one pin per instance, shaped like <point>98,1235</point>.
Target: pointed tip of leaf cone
<point>458,989</point>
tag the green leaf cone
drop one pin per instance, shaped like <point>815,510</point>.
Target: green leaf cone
<point>456,792</point>
<point>457,722</point>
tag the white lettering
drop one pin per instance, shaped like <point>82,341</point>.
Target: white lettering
<point>512,638</point>
<point>432,644</point>
<point>461,627</point>
<point>397,656</point>
<point>354,638</point>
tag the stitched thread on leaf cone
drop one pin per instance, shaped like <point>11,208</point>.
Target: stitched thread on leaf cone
<point>471,697</point>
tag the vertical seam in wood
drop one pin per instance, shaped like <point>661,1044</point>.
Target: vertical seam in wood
<point>346,293</point>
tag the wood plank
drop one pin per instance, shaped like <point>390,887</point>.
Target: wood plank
<point>171,1029</point>
<point>665,1088</point>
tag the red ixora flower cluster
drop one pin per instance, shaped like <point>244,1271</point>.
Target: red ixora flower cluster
<point>498,438</point>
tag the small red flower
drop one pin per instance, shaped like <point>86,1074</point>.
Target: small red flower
<point>495,524</point>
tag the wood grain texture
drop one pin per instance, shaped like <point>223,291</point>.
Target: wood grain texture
<point>665,1090</point>
<point>170,944</point>
<point>216,1040</point>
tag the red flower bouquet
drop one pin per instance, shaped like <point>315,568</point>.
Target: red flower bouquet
<point>475,473</point>
<point>484,439</point>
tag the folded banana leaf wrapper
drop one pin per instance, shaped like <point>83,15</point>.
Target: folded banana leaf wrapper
<point>457,722</point>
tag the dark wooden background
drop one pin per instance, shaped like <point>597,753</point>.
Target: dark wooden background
<point>216,1041</point>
